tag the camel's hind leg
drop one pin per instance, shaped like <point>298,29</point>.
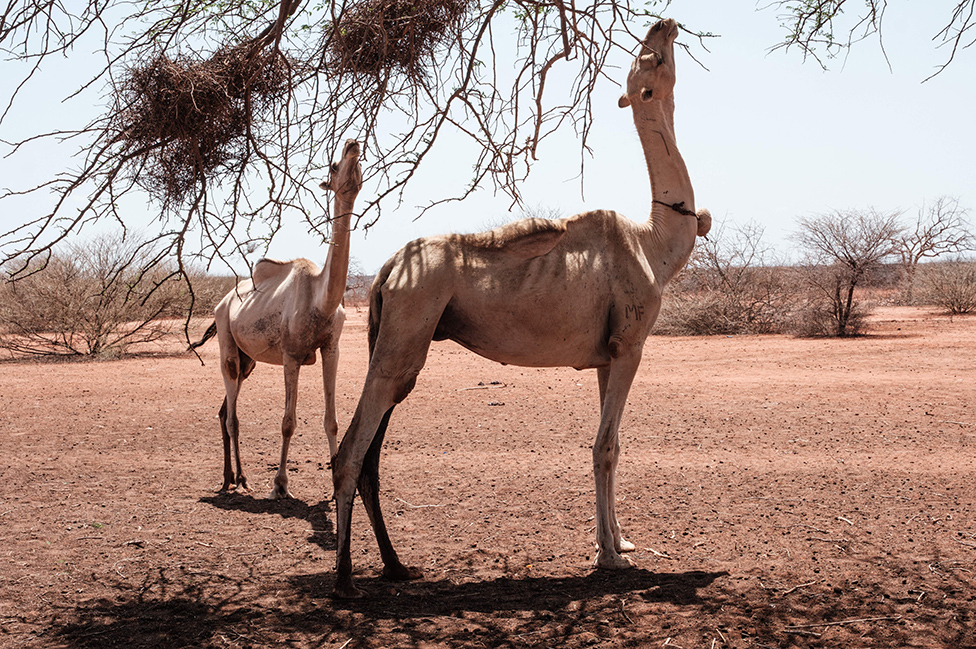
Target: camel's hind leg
<point>615,386</point>
<point>292,368</point>
<point>369,491</point>
<point>235,366</point>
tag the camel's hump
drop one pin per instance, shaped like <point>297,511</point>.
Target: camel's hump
<point>268,269</point>
<point>523,239</point>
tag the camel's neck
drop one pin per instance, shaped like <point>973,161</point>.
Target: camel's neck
<point>337,262</point>
<point>672,225</point>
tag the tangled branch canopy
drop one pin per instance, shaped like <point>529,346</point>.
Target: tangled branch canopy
<point>186,119</point>
<point>225,113</point>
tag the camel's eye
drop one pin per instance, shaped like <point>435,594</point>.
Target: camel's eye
<point>335,167</point>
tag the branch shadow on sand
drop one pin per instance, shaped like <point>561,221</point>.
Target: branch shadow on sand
<point>317,516</point>
<point>433,598</point>
<point>170,611</point>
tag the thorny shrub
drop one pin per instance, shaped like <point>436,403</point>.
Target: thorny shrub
<point>951,286</point>
<point>95,299</point>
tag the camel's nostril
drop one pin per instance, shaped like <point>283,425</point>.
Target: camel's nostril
<point>646,94</point>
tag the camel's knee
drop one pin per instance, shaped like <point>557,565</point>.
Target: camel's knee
<point>287,426</point>
<point>232,368</point>
<point>404,387</point>
<point>605,456</point>
<point>332,434</point>
<point>343,478</point>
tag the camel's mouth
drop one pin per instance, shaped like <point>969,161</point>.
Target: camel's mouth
<point>351,148</point>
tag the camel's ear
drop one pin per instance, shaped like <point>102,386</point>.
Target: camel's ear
<point>624,101</point>
<point>325,185</point>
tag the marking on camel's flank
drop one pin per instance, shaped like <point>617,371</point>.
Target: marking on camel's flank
<point>636,309</point>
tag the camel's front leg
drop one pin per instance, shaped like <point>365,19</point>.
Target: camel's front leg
<point>292,368</point>
<point>615,386</point>
<point>357,465</point>
<point>347,467</point>
<point>620,544</point>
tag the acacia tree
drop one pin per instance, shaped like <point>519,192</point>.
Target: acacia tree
<point>221,112</point>
<point>843,248</point>
<point>939,229</point>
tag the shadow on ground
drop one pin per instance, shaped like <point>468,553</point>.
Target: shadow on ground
<point>317,515</point>
<point>166,612</point>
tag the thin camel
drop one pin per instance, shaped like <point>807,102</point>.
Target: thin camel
<point>581,292</point>
<point>281,315</point>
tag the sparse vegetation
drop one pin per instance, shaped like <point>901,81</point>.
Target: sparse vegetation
<point>730,287</point>
<point>941,228</point>
<point>951,286</point>
<point>96,299</point>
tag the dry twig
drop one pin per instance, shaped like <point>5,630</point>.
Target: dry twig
<point>794,627</point>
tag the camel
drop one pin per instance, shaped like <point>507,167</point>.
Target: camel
<point>281,315</point>
<point>581,292</point>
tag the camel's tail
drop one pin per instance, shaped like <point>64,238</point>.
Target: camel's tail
<point>207,335</point>
<point>376,305</point>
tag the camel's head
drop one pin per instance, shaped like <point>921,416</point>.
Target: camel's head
<point>651,76</point>
<point>346,178</point>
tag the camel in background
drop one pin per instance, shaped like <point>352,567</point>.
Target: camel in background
<point>281,315</point>
<point>581,292</point>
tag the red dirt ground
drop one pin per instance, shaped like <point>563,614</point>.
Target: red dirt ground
<point>781,493</point>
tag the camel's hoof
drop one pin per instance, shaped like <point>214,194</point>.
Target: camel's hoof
<point>625,546</point>
<point>402,573</point>
<point>231,487</point>
<point>345,590</point>
<point>612,561</point>
<point>279,493</point>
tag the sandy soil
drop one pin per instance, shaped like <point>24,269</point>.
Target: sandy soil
<point>781,493</point>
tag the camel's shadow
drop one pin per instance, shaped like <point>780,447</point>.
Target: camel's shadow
<point>318,516</point>
<point>426,598</point>
<point>422,598</point>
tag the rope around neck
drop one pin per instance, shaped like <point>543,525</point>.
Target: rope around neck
<point>679,208</point>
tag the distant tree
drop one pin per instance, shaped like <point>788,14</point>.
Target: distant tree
<point>843,248</point>
<point>941,228</point>
<point>94,298</point>
<point>357,285</point>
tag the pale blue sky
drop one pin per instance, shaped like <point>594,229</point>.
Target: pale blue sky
<point>766,137</point>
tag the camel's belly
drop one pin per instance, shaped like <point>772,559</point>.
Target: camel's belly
<point>540,358</point>
<point>515,340</point>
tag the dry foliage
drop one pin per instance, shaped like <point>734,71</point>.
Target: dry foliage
<point>951,286</point>
<point>377,37</point>
<point>844,248</point>
<point>731,286</point>
<point>184,119</point>
<point>95,299</point>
